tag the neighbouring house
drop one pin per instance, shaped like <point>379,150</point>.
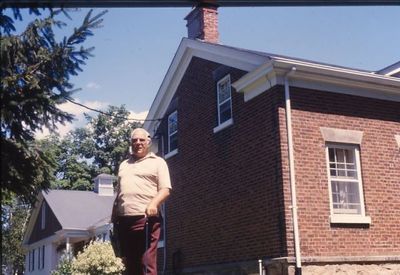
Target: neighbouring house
<point>279,165</point>
<point>64,221</point>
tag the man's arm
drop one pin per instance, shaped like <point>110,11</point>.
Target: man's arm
<point>152,208</point>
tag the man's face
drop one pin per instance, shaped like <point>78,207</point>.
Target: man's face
<point>140,144</point>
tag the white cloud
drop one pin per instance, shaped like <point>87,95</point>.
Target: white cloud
<point>139,116</point>
<point>79,110</point>
<point>93,85</point>
<point>79,119</point>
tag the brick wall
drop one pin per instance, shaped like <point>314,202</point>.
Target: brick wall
<point>225,203</point>
<point>231,193</point>
<point>379,121</point>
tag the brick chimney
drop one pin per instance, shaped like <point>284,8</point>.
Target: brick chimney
<point>202,23</point>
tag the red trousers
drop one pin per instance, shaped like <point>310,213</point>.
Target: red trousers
<point>138,238</point>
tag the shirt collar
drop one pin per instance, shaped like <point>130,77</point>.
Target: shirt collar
<point>149,155</point>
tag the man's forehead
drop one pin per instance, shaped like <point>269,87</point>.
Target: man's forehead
<point>139,134</point>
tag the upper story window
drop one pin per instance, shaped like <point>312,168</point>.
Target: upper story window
<point>172,134</point>
<point>224,103</point>
<point>43,216</point>
<point>345,184</point>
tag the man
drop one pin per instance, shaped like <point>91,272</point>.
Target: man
<point>143,184</point>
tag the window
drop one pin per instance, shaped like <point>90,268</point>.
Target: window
<point>172,134</point>
<point>39,259</point>
<point>43,249</point>
<point>224,103</point>
<point>33,259</point>
<point>345,184</point>
<point>43,214</point>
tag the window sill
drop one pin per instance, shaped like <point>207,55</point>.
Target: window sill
<point>350,219</point>
<point>224,125</point>
<point>170,154</point>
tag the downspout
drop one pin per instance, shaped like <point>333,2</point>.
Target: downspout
<point>164,266</point>
<point>292,172</point>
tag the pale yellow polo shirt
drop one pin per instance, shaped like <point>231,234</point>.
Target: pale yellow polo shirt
<point>139,182</point>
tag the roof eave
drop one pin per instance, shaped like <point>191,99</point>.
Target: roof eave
<point>360,83</point>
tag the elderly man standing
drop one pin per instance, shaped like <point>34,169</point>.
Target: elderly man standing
<point>143,184</point>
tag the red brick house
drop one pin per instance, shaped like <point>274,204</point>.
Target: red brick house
<point>292,162</point>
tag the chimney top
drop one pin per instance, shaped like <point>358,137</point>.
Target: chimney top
<point>202,23</point>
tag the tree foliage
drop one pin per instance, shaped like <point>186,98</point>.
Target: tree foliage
<point>86,152</point>
<point>35,78</point>
<point>13,220</point>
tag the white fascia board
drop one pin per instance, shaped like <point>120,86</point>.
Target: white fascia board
<point>321,77</point>
<point>71,233</point>
<point>189,48</point>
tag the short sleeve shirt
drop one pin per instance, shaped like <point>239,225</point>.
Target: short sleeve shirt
<point>139,182</point>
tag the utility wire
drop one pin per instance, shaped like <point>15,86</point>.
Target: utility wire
<point>108,114</point>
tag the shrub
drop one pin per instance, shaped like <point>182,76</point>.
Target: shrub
<point>97,258</point>
<point>64,266</point>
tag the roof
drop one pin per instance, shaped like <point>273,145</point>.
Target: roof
<point>79,209</point>
<point>265,70</point>
<point>392,70</point>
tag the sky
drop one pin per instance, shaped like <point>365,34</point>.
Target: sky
<point>135,46</point>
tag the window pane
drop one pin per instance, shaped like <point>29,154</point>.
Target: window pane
<point>225,112</point>
<point>346,197</point>
<point>342,163</point>
<point>173,123</point>
<point>173,131</point>
<point>224,91</point>
<point>331,154</point>
<point>173,142</point>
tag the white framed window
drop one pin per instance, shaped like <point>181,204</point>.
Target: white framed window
<point>39,258</point>
<point>43,216</point>
<point>224,103</point>
<point>172,134</point>
<point>345,184</point>
<point>33,260</point>
<point>43,251</point>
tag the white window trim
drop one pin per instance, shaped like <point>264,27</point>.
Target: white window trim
<point>226,78</point>
<point>171,154</point>
<point>175,151</point>
<point>347,218</point>
<point>224,125</point>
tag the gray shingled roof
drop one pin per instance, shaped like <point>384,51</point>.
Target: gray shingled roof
<point>79,209</point>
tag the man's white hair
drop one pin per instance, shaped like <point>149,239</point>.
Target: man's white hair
<point>142,131</point>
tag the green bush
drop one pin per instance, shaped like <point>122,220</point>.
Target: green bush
<point>64,266</point>
<point>97,258</point>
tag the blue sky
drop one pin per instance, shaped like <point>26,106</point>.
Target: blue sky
<point>135,47</point>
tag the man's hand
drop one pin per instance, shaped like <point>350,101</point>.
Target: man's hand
<point>151,210</point>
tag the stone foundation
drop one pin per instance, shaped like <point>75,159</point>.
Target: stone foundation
<point>364,265</point>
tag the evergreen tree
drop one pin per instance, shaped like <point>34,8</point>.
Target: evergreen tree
<point>35,78</point>
<point>13,220</point>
